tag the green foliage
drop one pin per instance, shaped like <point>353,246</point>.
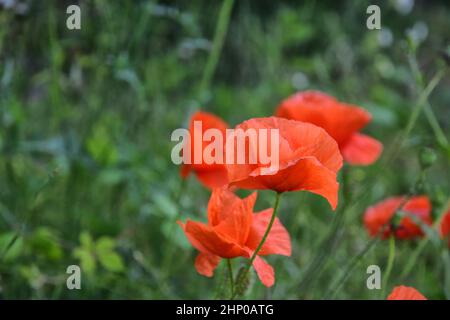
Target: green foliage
<point>102,251</point>
<point>86,118</point>
<point>11,246</point>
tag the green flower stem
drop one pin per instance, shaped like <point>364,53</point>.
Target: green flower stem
<point>230,276</point>
<point>266,234</point>
<point>409,266</point>
<point>168,258</point>
<point>329,244</point>
<point>349,269</point>
<point>415,113</point>
<point>390,265</point>
<point>431,117</point>
<point>219,38</point>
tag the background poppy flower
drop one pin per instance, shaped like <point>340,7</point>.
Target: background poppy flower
<point>445,227</point>
<point>233,230</point>
<point>380,217</point>
<point>309,159</point>
<point>342,121</point>
<point>405,293</point>
<point>210,175</point>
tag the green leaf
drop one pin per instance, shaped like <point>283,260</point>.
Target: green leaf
<point>11,246</point>
<point>105,245</point>
<point>111,261</point>
<point>86,241</point>
<point>101,147</point>
<point>87,260</point>
<point>44,243</point>
<point>30,273</point>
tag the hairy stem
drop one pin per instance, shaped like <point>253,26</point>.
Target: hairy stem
<point>261,243</point>
<point>230,276</point>
<point>390,265</point>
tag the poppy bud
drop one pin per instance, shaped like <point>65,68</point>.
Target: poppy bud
<point>243,281</point>
<point>427,157</point>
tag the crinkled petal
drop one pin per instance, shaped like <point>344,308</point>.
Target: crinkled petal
<point>205,239</point>
<point>206,263</point>
<point>278,241</point>
<point>340,120</point>
<point>221,202</point>
<point>264,271</point>
<point>306,174</point>
<point>236,226</point>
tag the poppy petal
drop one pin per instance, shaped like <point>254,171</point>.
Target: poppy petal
<point>361,150</point>
<point>405,293</point>
<point>306,174</point>
<point>445,227</point>
<point>236,227</point>
<point>278,240</point>
<point>214,178</point>
<point>209,121</point>
<point>210,175</point>
<point>185,170</point>
<point>264,271</point>
<point>340,120</point>
<point>380,215</point>
<point>308,160</point>
<point>211,242</point>
<point>296,140</point>
<point>206,263</point>
<point>193,240</point>
<point>220,203</point>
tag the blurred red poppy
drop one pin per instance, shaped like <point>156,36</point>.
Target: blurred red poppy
<point>309,160</point>
<point>210,175</point>
<point>445,227</point>
<point>405,293</point>
<point>233,230</point>
<point>342,121</point>
<point>380,218</point>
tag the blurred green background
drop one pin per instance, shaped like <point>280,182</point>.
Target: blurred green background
<point>86,117</point>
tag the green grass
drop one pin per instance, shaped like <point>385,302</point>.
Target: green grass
<point>86,118</point>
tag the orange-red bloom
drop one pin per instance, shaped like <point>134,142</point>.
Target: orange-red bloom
<point>445,227</point>
<point>309,159</point>
<point>405,293</point>
<point>380,218</point>
<point>233,230</point>
<point>342,121</point>
<point>210,175</point>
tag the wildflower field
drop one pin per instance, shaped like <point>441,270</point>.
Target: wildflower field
<point>116,176</point>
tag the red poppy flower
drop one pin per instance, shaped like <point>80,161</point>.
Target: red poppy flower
<point>233,230</point>
<point>309,159</point>
<point>405,293</point>
<point>381,217</point>
<point>210,175</point>
<point>342,121</point>
<point>445,227</point>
